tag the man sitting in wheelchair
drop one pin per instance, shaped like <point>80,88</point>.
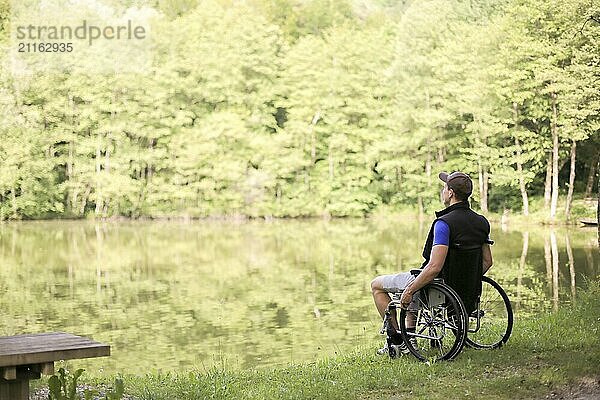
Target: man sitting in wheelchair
<point>457,227</point>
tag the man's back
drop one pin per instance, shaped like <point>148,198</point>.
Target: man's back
<point>463,266</point>
<point>467,229</point>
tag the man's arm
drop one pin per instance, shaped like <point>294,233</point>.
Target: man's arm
<point>430,271</point>
<point>487,257</point>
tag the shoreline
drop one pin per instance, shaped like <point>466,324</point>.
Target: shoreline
<point>513,220</point>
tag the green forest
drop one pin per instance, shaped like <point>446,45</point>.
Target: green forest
<point>293,108</point>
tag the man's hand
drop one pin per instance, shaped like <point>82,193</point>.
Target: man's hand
<point>405,299</point>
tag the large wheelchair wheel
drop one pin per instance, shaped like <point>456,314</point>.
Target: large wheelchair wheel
<point>440,324</point>
<point>491,324</point>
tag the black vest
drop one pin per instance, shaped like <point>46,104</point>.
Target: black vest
<point>462,269</point>
<point>467,228</point>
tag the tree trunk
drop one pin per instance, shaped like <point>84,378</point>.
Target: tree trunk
<point>486,181</point>
<point>313,139</point>
<point>440,156</point>
<point>571,178</point>
<point>480,180</point>
<point>13,202</point>
<point>107,168</point>
<point>548,182</point>
<point>107,158</point>
<point>98,180</point>
<point>84,199</point>
<point>554,200</point>
<point>150,166</point>
<point>70,196</point>
<point>483,188</point>
<point>522,184</point>
<point>591,177</point>
<point>74,200</point>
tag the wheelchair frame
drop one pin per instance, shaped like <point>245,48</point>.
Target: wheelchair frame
<point>441,315</point>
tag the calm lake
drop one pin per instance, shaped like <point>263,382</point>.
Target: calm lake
<point>176,296</point>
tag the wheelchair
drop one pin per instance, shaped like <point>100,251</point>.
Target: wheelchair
<point>480,318</point>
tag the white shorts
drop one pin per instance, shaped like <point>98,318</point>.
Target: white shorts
<point>396,283</point>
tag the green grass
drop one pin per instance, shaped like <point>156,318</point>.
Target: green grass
<point>544,353</point>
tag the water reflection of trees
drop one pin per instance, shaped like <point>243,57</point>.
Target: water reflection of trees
<point>273,292</point>
<point>565,269</point>
<point>170,295</point>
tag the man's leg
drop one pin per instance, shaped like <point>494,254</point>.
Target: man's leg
<point>380,296</point>
<point>382,299</point>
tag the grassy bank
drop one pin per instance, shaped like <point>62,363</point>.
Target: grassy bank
<point>539,214</point>
<point>544,353</point>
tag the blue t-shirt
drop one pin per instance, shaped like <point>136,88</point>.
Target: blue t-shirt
<point>441,233</point>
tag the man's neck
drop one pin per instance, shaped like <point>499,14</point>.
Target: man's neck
<point>453,202</point>
<point>452,206</point>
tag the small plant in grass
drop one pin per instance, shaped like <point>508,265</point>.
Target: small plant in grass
<point>63,386</point>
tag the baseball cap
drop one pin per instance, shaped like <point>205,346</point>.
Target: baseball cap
<point>460,182</point>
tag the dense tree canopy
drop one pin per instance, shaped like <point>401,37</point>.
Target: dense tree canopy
<point>316,107</point>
